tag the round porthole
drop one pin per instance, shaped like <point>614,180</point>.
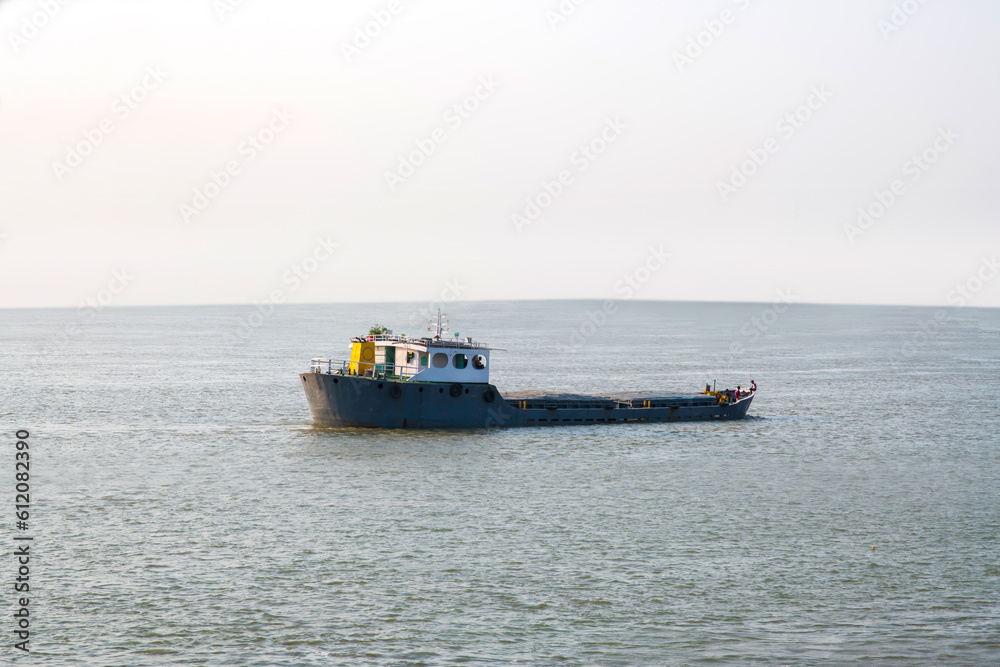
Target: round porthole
<point>440,360</point>
<point>479,362</point>
<point>460,361</point>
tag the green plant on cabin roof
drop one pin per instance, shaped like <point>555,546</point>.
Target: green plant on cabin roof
<point>378,330</point>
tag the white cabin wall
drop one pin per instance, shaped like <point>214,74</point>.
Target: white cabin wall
<point>451,374</point>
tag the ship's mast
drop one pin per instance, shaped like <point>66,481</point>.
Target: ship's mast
<point>439,325</point>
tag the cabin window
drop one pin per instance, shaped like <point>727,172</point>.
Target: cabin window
<point>460,361</point>
<point>479,362</point>
<point>440,360</point>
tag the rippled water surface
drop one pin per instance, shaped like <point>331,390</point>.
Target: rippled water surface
<point>187,512</point>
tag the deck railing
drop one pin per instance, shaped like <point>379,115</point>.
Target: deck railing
<point>364,368</point>
<point>731,400</point>
<point>424,340</point>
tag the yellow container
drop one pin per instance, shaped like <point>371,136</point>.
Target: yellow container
<point>362,357</point>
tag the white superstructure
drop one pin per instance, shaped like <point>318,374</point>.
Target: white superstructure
<point>435,358</point>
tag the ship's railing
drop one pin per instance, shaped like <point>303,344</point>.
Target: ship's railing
<point>328,366</point>
<point>383,338</point>
<point>425,341</point>
<point>730,399</point>
<point>444,342</point>
<point>363,368</point>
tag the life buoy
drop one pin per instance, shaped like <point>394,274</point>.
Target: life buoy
<point>455,390</point>
<point>395,391</point>
<point>489,395</point>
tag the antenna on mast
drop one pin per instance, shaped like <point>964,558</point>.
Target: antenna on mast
<point>438,325</point>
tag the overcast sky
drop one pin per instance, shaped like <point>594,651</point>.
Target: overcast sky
<point>213,151</point>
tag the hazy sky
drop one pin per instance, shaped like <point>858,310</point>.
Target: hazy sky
<point>213,151</point>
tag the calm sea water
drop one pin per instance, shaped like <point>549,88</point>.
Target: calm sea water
<point>186,511</point>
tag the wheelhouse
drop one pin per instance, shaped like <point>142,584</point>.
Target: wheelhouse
<point>435,358</point>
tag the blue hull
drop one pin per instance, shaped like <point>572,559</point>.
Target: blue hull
<point>347,400</point>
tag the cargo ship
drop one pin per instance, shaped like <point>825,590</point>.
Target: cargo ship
<point>393,382</point>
